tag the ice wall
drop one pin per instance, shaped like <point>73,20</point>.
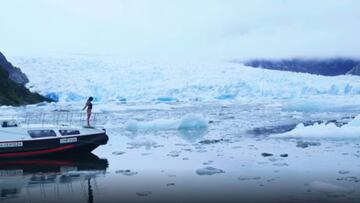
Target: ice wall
<point>74,78</point>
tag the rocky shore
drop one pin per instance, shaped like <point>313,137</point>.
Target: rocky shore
<point>12,86</point>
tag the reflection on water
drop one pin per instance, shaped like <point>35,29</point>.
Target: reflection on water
<point>31,178</point>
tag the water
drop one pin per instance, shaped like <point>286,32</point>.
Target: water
<point>156,163</point>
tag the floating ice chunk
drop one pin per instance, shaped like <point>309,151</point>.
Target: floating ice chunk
<point>208,162</point>
<point>226,96</point>
<point>343,172</point>
<point>167,99</point>
<point>214,141</point>
<point>266,154</point>
<point>351,130</point>
<point>281,164</point>
<point>155,125</point>
<point>131,125</point>
<point>192,121</point>
<point>209,171</point>
<point>174,153</point>
<point>188,122</point>
<point>247,178</point>
<point>118,153</point>
<point>330,189</point>
<point>122,100</point>
<point>302,144</point>
<point>192,135</point>
<point>350,179</point>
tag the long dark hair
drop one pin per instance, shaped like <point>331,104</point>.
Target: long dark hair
<point>90,99</point>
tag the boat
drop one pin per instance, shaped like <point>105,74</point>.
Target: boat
<point>17,141</point>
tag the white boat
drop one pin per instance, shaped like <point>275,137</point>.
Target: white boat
<point>17,140</point>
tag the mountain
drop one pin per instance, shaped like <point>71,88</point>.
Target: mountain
<point>12,89</point>
<point>15,73</point>
<point>327,67</point>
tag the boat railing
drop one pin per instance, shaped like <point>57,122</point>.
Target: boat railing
<point>61,118</point>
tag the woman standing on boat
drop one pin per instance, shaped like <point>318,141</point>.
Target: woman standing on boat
<point>88,105</point>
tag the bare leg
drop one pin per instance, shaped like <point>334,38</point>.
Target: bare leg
<point>88,118</point>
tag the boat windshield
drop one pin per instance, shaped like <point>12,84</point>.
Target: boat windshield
<point>41,133</point>
<point>69,132</point>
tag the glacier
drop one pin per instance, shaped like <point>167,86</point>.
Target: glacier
<point>119,79</point>
<point>125,84</point>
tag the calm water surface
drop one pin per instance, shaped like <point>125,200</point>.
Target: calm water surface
<point>223,163</point>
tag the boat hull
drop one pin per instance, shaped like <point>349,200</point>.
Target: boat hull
<point>53,146</point>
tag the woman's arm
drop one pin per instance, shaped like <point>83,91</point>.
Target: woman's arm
<point>87,104</point>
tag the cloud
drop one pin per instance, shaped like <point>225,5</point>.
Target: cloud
<point>223,29</point>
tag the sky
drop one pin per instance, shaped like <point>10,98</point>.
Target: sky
<point>224,29</point>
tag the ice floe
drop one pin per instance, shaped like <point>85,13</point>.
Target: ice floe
<point>118,153</point>
<point>266,154</point>
<point>187,122</point>
<point>306,144</point>
<point>344,172</point>
<point>249,178</point>
<point>209,171</point>
<point>350,179</point>
<point>330,130</point>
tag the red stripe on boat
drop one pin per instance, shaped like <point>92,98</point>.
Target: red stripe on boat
<point>37,152</point>
<point>36,162</point>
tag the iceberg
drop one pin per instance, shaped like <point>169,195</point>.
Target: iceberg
<point>187,122</point>
<point>330,130</point>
